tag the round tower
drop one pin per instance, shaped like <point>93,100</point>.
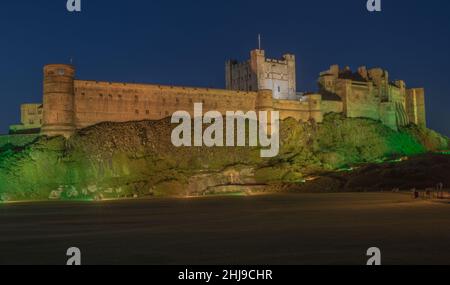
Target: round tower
<point>58,114</point>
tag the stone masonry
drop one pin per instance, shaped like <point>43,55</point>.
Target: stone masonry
<point>257,84</point>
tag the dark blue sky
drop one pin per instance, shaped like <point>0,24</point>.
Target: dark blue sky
<point>187,42</point>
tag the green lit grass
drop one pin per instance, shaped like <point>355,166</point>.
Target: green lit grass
<point>99,159</point>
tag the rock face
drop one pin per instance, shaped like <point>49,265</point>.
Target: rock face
<point>114,160</point>
<point>417,172</point>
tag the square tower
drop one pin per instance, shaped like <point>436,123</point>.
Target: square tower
<point>260,73</point>
<point>415,106</point>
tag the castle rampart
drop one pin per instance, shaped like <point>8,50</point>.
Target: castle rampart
<point>97,102</point>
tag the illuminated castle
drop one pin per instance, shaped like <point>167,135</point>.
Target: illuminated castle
<point>257,84</point>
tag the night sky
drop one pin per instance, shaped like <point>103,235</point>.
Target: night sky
<point>187,42</point>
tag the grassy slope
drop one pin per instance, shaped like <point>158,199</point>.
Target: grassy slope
<point>137,158</point>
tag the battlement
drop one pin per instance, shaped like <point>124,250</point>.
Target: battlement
<point>278,61</point>
<point>59,70</point>
<point>284,60</point>
<point>127,87</point>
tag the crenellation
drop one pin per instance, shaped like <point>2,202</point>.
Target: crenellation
<point>362,71</point>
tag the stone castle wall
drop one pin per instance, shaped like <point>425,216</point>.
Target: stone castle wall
<point>370,94</point>
<point>257,84</point>
<point>329,106</point>
<point>71,104</point>
<point>310,108</point>
<point>97,102</point>
<point>358,100</point>
<point>31,118</point>
<point>31,114</point>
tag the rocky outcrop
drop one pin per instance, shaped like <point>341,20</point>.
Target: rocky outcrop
<point>417,172</point>
<point>116,160</point>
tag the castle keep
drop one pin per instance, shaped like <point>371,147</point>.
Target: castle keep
<point>263,73</point>
<point>257,84</point>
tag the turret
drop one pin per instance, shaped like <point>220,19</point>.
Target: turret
<point>257,61</point>
<point>291,73</point>
<point>380,79</point>
<point>58,116</point>
<point>362,70</point>
<point>415,106</point>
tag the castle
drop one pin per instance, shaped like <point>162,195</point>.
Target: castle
<point>257,84</point>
